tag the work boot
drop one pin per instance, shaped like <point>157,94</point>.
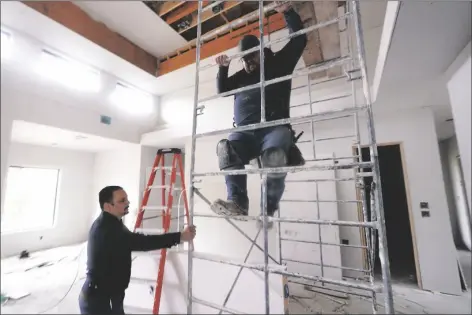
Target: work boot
<point>229,208</point>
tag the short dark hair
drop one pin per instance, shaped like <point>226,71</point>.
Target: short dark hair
<point>106,195</point>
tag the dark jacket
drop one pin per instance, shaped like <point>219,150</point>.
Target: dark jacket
<point>247,104</point>
<point>109,252</point>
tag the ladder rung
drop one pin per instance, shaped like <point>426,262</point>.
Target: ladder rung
<point>334,138</point>
<point>156,208</point>
<point>149,231</point>
<point>166,168</point>
<point>219,259</point>
<point>321,201</point>
<point>163,186</point>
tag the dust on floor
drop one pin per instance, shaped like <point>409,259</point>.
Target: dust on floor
<point>50,282</point>
<point>407,300</point>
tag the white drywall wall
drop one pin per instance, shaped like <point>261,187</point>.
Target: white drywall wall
<point>119,167</point>
<point>415,130</point>
<point>460,97</point>
<point>211,282</point>
<point>74,199</point>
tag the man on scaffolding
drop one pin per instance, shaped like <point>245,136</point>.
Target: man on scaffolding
<point>275,145</point>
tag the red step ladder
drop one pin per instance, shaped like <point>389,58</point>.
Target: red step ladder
<point>167,204</point>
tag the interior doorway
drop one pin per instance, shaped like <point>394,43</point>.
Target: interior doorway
<point>403,263</point>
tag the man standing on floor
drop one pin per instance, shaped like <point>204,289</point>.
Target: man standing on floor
<point>109,250</point>
<point>275,145</point>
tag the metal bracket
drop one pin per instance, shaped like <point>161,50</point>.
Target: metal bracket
<point>353,75</point>
<point>200,110</point>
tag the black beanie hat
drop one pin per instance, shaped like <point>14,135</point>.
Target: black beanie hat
<point>248,42</point>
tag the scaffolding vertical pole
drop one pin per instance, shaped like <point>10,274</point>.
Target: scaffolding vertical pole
<point>370,250</point>
<point>264,176</point>
<point>382,234</point>
<point>192,157</point>
<point>313,142</point>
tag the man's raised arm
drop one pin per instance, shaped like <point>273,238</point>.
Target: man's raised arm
<point>293,50</point>
<point>225,83</point>
<point>143,243</point>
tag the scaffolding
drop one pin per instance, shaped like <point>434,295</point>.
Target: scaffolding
<point>373,227</point>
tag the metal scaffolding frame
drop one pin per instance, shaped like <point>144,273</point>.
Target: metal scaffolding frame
<point>373,228</point>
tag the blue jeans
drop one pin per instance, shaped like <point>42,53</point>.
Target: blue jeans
<point>249,145</point>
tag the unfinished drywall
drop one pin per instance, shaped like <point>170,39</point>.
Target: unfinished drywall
<point>415,131</point>
<point>119,167</point>
<point>74,199</point>
<point>460,96</point>
<point>211,282</point>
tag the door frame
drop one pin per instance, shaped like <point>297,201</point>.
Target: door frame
<point>410,213</point>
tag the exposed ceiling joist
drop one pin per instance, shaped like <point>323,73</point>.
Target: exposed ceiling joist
<point>184,10</point>
<point>210,14</point>
<point>225,42</point>
<point>77,20</point>
<point>165,7</point>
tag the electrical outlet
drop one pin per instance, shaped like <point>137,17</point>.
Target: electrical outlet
<point>425,214</point>
<point>345,242</point>
<point>424,205</point>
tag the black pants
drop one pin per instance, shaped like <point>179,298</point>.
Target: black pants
<point>93,301</point>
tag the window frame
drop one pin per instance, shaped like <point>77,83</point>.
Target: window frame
<point>54,210</point>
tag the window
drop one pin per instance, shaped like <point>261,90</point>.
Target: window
<point>6,45</point>
<point>68,72</point>
<point>131,100</point>
<point>30,198</point>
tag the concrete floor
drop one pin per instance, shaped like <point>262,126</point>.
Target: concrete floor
<point>54,288</point>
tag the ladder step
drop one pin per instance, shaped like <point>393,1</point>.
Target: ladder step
<point>166,168</point>
<point>163,186</point>
<point>150,231</point>
<point>154,208</point>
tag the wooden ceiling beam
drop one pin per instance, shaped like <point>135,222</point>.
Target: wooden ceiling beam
<point>209,14</point>
<point>74,18</point>
<point>188,8</point>
<point>223,43</point>
<point>168,6</point>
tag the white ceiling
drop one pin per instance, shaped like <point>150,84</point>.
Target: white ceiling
<point>122,17</point>
<point>36,134</point>
<point>428,36</point>
<point>136,22</point>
